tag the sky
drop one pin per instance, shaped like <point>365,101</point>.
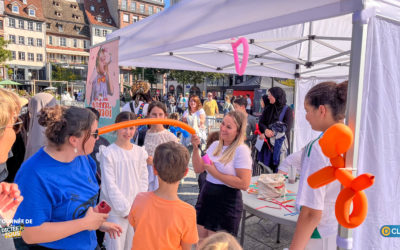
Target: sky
<point>166,4</point>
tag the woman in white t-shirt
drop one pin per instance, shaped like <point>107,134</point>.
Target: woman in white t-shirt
<point>220,205</point>
<point>316,227</point>
<point>195,117</point>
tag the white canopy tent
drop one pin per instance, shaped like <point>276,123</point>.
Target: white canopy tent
<point>310,41</point>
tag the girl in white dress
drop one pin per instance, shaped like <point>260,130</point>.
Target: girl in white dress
<point>124,175</point>
<point>155,136</point>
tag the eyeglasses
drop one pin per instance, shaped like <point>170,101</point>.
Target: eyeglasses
<point>95,134</point>
<point>16,126</point>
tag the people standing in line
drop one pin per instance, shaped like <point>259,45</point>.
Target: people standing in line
<point>195,117</point>
<point>36,137</point>
<point>276,112</point>
<point>240,105</point>
<point>316,227</point>
<point>124,175</point>
<point>59,184</point>
<point>228,107</point>
<point>220,205</point>
<point>10,195</point>
<point>248,106</point>
<point>160,219</point>
<point>156,135</point>
<point>211,108</point>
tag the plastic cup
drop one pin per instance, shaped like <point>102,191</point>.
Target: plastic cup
<point>292,174</point>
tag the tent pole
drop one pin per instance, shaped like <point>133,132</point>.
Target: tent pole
<point>354,105</point>
<point>310,31</point>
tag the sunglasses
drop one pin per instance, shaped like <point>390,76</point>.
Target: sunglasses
<point>16,126</point>
<point>95,134</point>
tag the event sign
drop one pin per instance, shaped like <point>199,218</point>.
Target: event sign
<point>102,85</point>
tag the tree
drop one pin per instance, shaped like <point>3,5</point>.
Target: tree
<point>5,54</point>
<point>63,74</point>
<point>194,77</point>
<point>150,74</point>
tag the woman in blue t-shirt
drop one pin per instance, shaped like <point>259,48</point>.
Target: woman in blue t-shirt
<point>59,184</point>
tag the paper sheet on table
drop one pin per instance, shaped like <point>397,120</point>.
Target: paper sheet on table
<point>259,143</point>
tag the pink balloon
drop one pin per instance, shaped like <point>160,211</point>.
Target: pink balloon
<point>240,69</point>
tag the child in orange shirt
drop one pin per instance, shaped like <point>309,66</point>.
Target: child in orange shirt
<point>160,219</point>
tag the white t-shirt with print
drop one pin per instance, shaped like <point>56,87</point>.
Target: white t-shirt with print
<point>127,107</point>
<point>241,159</point>
<point>323,198</point>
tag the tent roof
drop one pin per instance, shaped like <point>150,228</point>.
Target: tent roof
<point>188,36</point>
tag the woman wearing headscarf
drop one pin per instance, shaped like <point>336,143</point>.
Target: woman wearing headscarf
<point>36,137</point>
<point>276,114</point>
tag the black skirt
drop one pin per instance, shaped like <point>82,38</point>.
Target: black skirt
<point>219,208</point>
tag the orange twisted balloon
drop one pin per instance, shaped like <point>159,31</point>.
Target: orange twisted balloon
<point>139,122</point>
<point>335,142</point>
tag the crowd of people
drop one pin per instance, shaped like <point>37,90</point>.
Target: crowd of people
<point>68,169</point>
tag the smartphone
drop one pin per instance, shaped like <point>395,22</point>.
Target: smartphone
<point>102,207</point>
<point>206,159</point>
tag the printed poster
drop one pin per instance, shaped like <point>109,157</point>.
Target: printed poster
<point>102,85</point>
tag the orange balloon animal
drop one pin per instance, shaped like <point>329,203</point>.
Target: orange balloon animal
<point>336,141</point>
<point>139,122</point>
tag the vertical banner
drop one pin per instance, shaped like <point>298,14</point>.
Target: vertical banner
<point>102,85</point>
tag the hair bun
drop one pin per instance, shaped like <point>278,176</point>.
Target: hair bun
<point>341,91</point>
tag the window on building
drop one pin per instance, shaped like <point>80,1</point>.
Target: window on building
<point>57,13</point>
<point>24,1</point>
<point>150,10</point>
<point>77,29</point>
<point>32,12</point>
<point>73,59</point>
<point>13,55</point>
<point>1,24</point>
<point>12,39</point>
<point>11,22</point>
<point>85,44</point>
<point>57,4</point>
<point>63,58</point>
<point>133,6</point>
<point>30,25</point>
<point>48,25</point>
<point>39,57</point>
<point>123,4</point>
<point>105,32</point>
<point>39,27</point>
<point>31,57</point>
<point>98,18</point>
<point>39,42</point>
<point>52,56</point>
<point>126,77</point>
<point>73,6</point>
<point>97,32</point>
<point>21,55</point>
<point>141,8</point>
<point>63,41</point>
<point>21,40</point>
<point>15,9</point>
<point>109,20</point>
<point>21,24</point>
<point>92,9</point>
<point>75,43</point>
<point>135,19</point>
<point>126,18</point>
<point>50,40</point>
<point>60,28</point>
<point>158,9</point>
<point>99,1</point>
<point>102,10</point>
<point>30,41</point>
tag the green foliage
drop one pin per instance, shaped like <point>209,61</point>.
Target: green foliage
<point>150,74</point>
<point>194,77</point>
<point>63,74</point>
<point>5,54</point>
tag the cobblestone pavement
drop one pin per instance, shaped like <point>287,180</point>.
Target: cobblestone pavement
<point>257,236</point>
